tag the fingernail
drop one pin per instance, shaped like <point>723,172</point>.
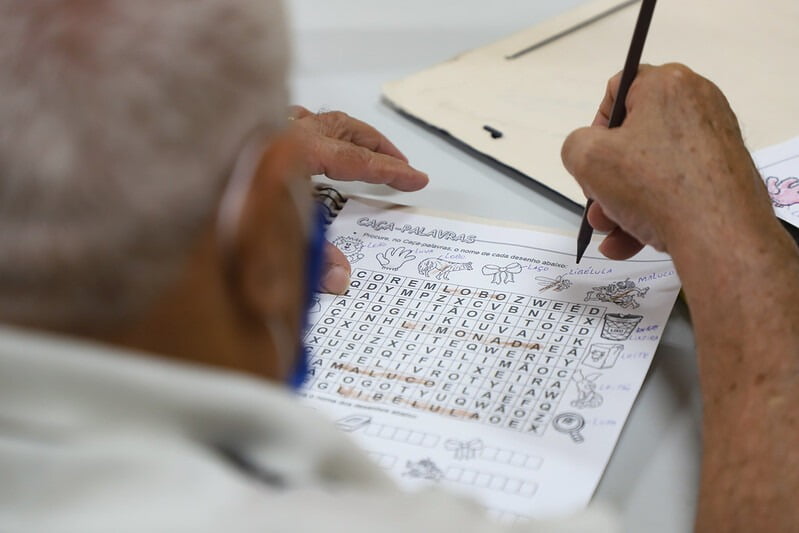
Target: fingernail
<point>336,279</point>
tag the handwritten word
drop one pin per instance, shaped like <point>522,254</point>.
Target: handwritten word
<point>590,271</point>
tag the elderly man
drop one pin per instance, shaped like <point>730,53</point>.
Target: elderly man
<point>154,254</point>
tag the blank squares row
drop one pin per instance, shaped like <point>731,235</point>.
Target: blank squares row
<point>383,460</point>
<point>484,480</point>
<point>398,434</point>
<point>522,460</point>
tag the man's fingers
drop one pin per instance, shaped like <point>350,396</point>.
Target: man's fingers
<point>341,160</point>
<point>602,117</point>
<point>599,220</point>
<point>592,156</point>
<point>343,127</point>
<point>348,149</point>
<point>620,245</point>
<point>572,153</point>
<point>335,271</point>
<point>297,112</point>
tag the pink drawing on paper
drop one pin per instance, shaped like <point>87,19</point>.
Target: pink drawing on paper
<point>783,192</point>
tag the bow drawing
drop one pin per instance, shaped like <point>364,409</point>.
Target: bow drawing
<point>463,450</point>
<point>502,274</point>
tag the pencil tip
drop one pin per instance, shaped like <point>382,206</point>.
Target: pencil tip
<point>582,246</point>
<point>584,235</point>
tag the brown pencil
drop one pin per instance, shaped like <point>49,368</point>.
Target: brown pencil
<point>619,111</point>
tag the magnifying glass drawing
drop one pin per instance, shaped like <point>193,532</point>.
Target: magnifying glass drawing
<point>570,423</point>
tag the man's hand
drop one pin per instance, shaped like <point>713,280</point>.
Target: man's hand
<point>677,175</point>
<point>675,165</point>
<point>346,149</point>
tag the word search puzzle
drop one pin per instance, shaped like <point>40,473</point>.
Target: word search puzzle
<point>478,357</point>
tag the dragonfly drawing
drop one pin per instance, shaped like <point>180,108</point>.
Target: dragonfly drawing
<point>557,284</point>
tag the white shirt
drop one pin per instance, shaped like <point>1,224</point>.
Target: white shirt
<point>96,439</point>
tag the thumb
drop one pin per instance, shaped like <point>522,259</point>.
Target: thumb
<point>592,155</point>
<point>335,271</point>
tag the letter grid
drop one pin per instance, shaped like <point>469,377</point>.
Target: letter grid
<point>496,357</point>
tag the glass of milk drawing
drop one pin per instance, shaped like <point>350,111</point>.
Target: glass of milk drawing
<point>603,355</point>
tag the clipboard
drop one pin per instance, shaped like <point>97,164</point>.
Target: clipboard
<point>536,86</point>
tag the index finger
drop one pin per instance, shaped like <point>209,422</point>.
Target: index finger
<point>343,127</point>
<point>340,160</point>
<point>602,117</point>
<point>599,220</point>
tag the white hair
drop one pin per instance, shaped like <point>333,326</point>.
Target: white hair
<point>119,120</point>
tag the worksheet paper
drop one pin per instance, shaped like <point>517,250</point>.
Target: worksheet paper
<point>779,166</point>
<point>480,358</point>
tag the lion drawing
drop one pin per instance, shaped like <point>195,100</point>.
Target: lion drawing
<point>351,247</point>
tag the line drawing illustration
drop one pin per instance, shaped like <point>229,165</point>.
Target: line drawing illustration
<point>463,450</point>
<point>587,396</point>
<point>350,246</point>
<point>423,469</point>
<point>619,327</point>
<point>571,424</point>
<point>783,192</point>
<point>556,284</point>
<point>441,267</point>
<point>353,422</point>
<point>395,258</point>
<point>502,275</point>
<point>603,356</point>
<point>621,293</point>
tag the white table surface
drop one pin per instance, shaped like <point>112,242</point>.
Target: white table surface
<point>344,50</point>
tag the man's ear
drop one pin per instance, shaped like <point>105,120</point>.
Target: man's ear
<point>267,272</point>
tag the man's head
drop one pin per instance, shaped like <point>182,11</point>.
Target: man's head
<point>120,123</point>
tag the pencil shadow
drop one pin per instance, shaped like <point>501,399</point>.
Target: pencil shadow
<point>509,172</point>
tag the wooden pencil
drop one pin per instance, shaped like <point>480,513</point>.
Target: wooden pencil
<point>619,111</point>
